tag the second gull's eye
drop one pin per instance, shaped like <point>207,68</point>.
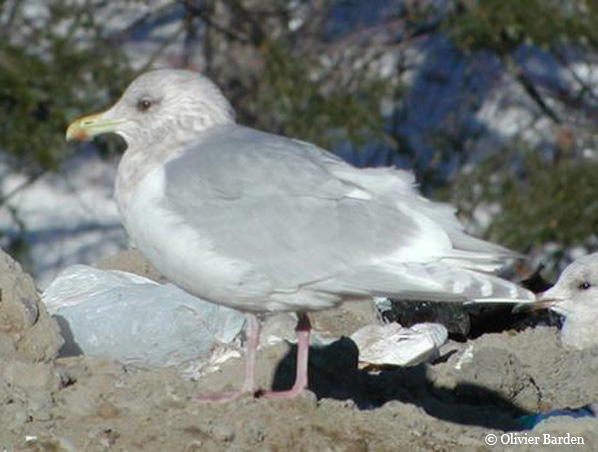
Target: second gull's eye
<point>584,286</point>
<point>144,105</point>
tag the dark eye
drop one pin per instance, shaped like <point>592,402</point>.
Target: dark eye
<point>584,286</point>
<point>144,105</point>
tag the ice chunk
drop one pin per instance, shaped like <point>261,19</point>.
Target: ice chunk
<point>136,320</point>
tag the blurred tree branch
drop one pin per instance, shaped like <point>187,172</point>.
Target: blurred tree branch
<point>295,68</point>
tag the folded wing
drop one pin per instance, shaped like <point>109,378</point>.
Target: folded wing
<point>305,220</point>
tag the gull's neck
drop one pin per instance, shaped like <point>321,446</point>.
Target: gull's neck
<point>167,142</point>
<point>136,163</point>
<point>578,330</point>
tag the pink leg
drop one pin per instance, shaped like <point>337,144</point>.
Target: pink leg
<point>252,331</point>
<point>253,341</point>
<point>303,327</point>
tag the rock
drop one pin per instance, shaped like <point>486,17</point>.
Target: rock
<point>494,369</point>
<point>564,428</point>
<point>24,320</point>
<point>489,374</point>
<point>28,378</point>
<point>345,319</point>
<point>19,298</point>
<point>566,378</point>
<point>43,340</point>
<point>131,261</point>
<point>32,384</point>
<point>80,401</point>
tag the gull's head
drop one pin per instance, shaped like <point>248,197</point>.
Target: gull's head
<point>171,104</point>
<point>576,291</point>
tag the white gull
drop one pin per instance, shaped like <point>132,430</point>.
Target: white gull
<point>575,296</point>
<point>264,223</point>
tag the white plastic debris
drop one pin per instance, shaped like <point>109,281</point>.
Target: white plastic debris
<point>392,344</point>
<point>465,358</point>
<point>383,304</point>
<point>136,320</point>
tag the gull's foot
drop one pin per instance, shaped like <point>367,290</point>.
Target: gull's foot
<point>221,397</point>
<point>288,394</point>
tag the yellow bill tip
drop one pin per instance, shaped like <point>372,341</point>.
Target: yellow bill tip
<point>87,127</point>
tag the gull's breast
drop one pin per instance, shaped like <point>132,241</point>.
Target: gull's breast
<point>183,252</point>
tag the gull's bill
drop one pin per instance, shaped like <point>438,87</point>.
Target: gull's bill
<point>87,127</point>
<point>545,300</point>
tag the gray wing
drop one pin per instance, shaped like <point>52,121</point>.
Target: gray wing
<point>270,201</point>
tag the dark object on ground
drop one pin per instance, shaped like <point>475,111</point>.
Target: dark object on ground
<point>467,321</point>
<point>470,321</point>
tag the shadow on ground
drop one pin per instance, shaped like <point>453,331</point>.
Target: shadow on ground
<point>334,373</point>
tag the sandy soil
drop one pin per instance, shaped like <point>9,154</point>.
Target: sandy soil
<point>474,389</point>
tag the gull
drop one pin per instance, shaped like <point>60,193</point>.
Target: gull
<point>575,296</point>
<point>264,223</point>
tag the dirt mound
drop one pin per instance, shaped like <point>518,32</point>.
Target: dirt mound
<point>475,388</point>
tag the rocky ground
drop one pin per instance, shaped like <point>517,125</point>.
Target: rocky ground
<point>476,388</point>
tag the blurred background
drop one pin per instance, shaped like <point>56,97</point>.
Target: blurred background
<point>492,103</point>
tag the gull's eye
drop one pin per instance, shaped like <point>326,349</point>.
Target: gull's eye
<point>584,286</point>
<point>144,105</point>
